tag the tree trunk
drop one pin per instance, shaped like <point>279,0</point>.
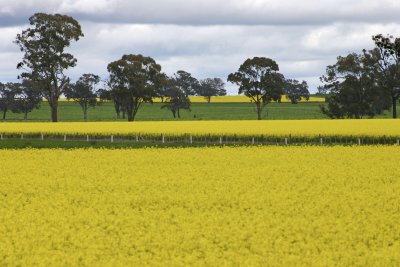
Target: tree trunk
<point>179,115</point>
<point>394,100</point>
<point>54,115</point>
<point>25,115</point>
<point>4,114</point>
<point>85,113</point>
<point>173,113</point>
<point>209,99</point>
<point>259,111</point>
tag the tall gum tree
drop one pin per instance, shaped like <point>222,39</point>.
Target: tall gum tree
<point>45,59</point>
<point>389,63</point>
<point>258,78</point>
<point>136,78</point>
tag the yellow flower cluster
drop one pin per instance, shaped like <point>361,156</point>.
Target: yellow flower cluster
<point>231,206</point>
<point>307,128</point>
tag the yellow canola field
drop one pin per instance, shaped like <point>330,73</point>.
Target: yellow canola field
<point>308,128</point>
<point>232,206</point>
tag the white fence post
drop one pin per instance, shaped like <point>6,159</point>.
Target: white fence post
<point>285,141</point>
<point>359,141</point>
<point>22,136</point>
<point>321,141</point>
<point>398,142</point>
<point>163,139</point>
<point>87,138</point>
<point>137,138</point>
<point>65,137</point>
<point>220,140</point>
<point>112,138</point>
<point>191,139</point>
<point>41,137</point>
<point>1,136</point>
<point>252,141</point>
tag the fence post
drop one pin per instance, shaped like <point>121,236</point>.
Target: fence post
<point>359,141</point>
<point>252,141</point>
<point>22,136</point>
<point>112,138</point>
<point>137,138</point>
<point>398,141</point>
<point>285,141</point>
<point>191,139</point>
<point>220,140</point>
<point>87,138</point>
<point>163,139</point>
<point>65,137</point>
<point>41,137</point>
<point>1,136</point>
<point>321,141</point>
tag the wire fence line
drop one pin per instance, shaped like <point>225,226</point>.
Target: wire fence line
<point>209,139</point>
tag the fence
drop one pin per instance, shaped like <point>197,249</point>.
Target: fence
<point>211,140</point>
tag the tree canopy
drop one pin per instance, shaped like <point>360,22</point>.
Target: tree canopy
<point>211,87</point>
<point>295,90</point>
<point>135,77</point>
<point>258,78</point>
<point>354,87</point>
<point>389,66</point>
<point>45,59</point>
<point>84,92</point>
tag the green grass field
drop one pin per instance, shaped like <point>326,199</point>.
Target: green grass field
<point>71,111</point>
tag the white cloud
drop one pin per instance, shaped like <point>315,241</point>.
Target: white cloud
<point>209,38</point>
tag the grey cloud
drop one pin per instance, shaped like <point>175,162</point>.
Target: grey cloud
<point>208,12</point>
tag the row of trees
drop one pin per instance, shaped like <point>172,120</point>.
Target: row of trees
<point>134,79</point>
<point>358,85</point>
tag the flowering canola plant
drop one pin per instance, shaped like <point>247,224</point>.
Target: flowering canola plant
<point>213,206</point>
<point>307,128</point>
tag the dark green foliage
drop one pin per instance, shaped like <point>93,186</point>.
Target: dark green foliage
<point>258,79</point>
<point>389,66</point>
<point>295,91</point>
<point>185,82</point>
<point>353,83</point>
<point>211,87</point>
<point>45,58</point>
<point>176,100</point>
<point>133,80</point>
<point>27,98</point>
<point>84,92</point>
<point>7,95</point>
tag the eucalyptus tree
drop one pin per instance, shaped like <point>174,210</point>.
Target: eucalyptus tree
<point>45,58</point>
<point>353,84</point>
<point>185,82</point>
<point>258,78</point>
<point>389,65</point>
<point>84,92</point>
<point>176,100</point>
<point>211,87</point>
<point>295,90</point>
<point>27,97</point>
<point>135,77</point>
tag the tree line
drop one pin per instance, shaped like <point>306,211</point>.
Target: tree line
<point>358,85</point>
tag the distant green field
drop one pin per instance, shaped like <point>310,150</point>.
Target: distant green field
<point>71,111</point>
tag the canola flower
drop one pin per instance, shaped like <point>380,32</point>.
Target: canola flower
<point>284,128</point>
<point>230,206</point>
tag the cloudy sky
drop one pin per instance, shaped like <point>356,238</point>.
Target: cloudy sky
<point>208,38</point>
